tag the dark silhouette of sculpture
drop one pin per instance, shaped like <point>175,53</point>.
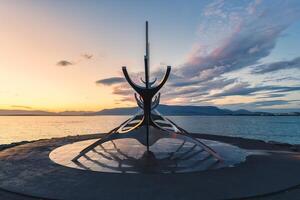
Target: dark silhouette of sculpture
<point>148,126</point>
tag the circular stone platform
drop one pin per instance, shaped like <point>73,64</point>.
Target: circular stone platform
<point>166,156</point>
<point>27,169</point>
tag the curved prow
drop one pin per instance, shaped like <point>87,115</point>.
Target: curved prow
<point>136,87</point>
<point>150,83</point>
<point>165,78</point>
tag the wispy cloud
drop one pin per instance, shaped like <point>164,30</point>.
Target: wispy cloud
<point>111,81</point>
<point>87,56</point>
<point>64,63</point>
<point>260,104</point>
<point>277,66</point>
<point>270,95</point>
<point>20,107</point>
<point>121,90</point>
<point>280,79</point>
<point>190,89</point>
<point>244,89</point>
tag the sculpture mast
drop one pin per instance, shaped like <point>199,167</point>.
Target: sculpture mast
<point>146,59</point>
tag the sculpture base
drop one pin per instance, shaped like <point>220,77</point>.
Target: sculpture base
<point>165,156</point>
<point>26,170</point>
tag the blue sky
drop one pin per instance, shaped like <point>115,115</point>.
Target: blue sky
<point>232,54</point>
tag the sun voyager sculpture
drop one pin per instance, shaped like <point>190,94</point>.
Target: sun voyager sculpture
<point>148,126</point>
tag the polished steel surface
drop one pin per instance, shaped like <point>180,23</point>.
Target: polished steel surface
<point>167,155</point>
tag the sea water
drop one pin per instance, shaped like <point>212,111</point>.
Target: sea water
<point>275,128</point>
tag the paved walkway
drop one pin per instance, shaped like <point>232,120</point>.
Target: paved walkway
<point>27,167</point>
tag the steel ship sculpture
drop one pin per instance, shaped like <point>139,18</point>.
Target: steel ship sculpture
<point>148,125</point>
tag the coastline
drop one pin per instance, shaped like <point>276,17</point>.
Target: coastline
<point>74,137</point>
<point>245,143</point>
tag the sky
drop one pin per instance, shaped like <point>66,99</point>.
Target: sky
<point>59,55</point>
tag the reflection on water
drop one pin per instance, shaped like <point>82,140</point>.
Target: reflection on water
<point>166,156</point>
<point>282,129</point>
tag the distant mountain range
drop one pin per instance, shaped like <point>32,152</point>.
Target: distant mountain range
<point>163,109</point>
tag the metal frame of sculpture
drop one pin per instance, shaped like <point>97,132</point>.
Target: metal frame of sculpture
<point>148,125</point>
<point>174,162</point>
